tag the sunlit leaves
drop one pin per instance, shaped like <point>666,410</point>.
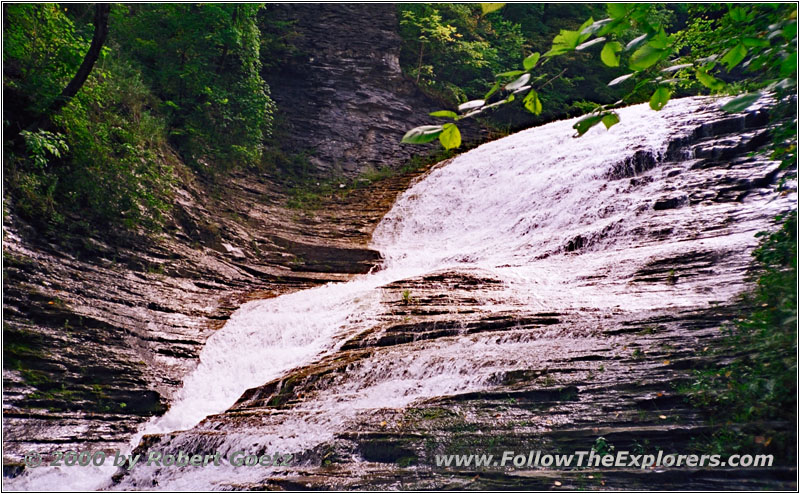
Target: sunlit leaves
<point>741,103</point>
<point>660,98</point>
<point>610,120</point>
<point>530,61</point>
<point>610,53</point>
<point>618,10</point>
<point>532,102</point>
<point>450,137</point>
<point>646,57</point>
<point>423,134</point>
<point>709,80</point>
<point>583,125</point>
<point>444,114</point>
<point>607,117</point>
<point>567,41</point>
<point>734,56</point>
<point>597,26</point>
<point>488,8</point>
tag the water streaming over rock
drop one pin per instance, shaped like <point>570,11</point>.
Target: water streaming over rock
<point>552,224</point>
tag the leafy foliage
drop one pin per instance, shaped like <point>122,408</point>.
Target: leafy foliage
<point>203,62</point>
<point>723,48</point>
<point>451,50</point>
<point>183,74</point>
<point>105,162</point>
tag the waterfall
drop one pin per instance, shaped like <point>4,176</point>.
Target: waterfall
<point>561,223</point>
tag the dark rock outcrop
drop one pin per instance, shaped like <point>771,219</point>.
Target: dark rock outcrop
<point>344,98</point>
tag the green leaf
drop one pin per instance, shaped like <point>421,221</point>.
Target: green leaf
<point>610,53</point>
<point>450,137</point>
<point>530,61</point>
<point>659,40</point>
<point>510,73</point>
<point>709,80</point>
<point>790,31</point>
<point>423,134</point>
<point>646,56</point>
<point>532,102</point>
<point>741,103</point>
<point>596,26</point>
<point>617,26</point>
<point>734,56</point>
<point>566,41</point>
<point>610,119</point>
<point>586,123</point>
<point>738,14</point>
<point>617,10</point>
<point>660,98</point>
<point>444,114</point>
<point>518,83</point>
<point>488,8</point>
<point>493,90</point>
<point>754,42</point>
<point>789,66</point>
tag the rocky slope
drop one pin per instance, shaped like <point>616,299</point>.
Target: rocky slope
<point>99,333</point>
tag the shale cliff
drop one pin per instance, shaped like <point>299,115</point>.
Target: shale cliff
<point>343,96</point>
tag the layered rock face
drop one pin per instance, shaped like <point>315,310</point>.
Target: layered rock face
<point>344,99</point>
<point>99,333</point>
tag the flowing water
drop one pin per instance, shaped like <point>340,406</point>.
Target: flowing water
<point>504,211</point>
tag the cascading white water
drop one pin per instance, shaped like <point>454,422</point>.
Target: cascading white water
<point>505,209</point>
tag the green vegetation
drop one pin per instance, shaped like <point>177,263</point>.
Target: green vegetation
<point>453,52</point>
<point>203,63</point>
<point>180,77</point>
<point>737,48</point>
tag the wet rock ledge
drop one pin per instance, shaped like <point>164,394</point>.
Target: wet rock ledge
<point>99,332</point>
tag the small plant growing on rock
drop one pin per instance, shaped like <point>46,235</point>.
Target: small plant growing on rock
<point>407,297</point>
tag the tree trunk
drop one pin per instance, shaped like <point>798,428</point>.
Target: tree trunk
<point>100,34</point>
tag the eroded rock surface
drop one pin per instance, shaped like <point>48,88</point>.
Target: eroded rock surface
<point>344,98</point>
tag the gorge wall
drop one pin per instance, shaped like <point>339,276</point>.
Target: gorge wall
<point>342,97</point>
